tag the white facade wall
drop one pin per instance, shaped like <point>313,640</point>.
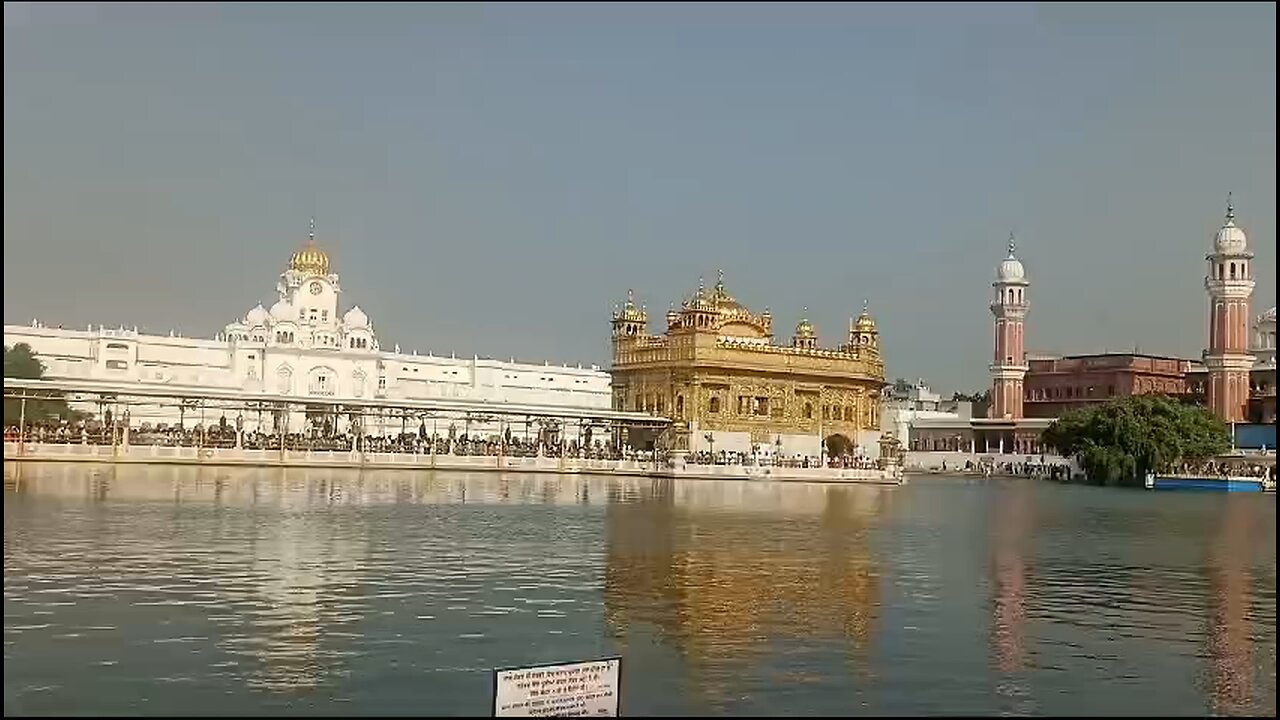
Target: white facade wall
<point>301,348</point>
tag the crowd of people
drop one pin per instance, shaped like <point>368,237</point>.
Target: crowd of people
<point>226,435</point>
<point>798,460</point>
<point>1224,468</point>
<point>1060,471</point>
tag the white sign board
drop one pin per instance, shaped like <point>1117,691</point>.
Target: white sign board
<point>584,689</point>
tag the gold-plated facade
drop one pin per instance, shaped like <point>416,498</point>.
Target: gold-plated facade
<point>717,368</point>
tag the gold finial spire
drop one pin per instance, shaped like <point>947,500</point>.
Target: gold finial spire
<point>720,279</point>
<point>629,310</point>
<point>804,328</point>
<point>310,259</point>
<point>865,323</point>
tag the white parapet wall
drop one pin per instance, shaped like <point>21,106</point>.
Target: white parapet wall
<point>339,459</point>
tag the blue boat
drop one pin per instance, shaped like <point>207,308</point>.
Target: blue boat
<point>1220,483</point>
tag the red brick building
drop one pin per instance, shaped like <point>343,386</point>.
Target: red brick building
<point>1054,385</point>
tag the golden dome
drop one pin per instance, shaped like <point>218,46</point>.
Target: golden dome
<point>630,312</point>
<point>700,300</point>
<point>310,259</point>
<point>864,323</point>
<point>804,329</point>
<point>723,301</point>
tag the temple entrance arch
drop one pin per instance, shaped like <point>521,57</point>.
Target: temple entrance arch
<point>838,444</point>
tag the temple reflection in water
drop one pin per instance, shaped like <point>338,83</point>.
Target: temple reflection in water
<point>787,563</point>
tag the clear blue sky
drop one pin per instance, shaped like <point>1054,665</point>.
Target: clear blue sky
<point>491,179</point>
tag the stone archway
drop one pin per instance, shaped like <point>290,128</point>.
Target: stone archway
<point>838,444</point>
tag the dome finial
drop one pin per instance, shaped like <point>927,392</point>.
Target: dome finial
<point>720,279</point>
<point>631,296</point>
<point>1013,246</point>
<point>310,259</point>
<point>1231,210</point>
<point>865,305</point>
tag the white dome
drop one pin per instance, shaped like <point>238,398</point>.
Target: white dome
<point>1230,239</point>
<point>283,311</point>
<point>1011,270</point>
<point>355,318</point>
<point>256,316</point>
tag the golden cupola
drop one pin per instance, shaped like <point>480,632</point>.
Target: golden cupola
<point>630,321</point>
<point>865,323</point>
<point>700,301</point>
<point>310,260</point>
<point>806,336</point>
<point>630,312</point>
<point>720,297</point>
<point>864,338</point>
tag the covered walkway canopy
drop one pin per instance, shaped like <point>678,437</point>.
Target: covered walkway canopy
<point>127,393</point>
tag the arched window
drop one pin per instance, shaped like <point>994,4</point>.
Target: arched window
<point>714,405</point>
<point>679,406</point>
<point>1233,271</point>
<point>808,411</point>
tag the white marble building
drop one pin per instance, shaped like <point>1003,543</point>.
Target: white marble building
<point>1264,339</point>
<point>901,408</point>
<point>304,346</point>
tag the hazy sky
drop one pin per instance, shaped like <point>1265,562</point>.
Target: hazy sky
<point>491,179</point>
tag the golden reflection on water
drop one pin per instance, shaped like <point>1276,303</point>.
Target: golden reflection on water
<point>719,603</point>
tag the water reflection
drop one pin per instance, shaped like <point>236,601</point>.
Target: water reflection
<point>167,589</point>
<point>1229,633</point>
<point>1012,527</point>
<point>723,586</point>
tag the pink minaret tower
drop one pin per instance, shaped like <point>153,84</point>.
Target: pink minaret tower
<point>1230,286</point>
<point>1009,366</point>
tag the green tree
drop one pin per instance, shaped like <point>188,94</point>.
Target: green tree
<point>20,363</point>
<point>1119,442</point>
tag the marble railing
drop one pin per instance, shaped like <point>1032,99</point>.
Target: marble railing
<point>180,455</point>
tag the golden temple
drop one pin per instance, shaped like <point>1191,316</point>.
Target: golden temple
<point>718,374</point>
